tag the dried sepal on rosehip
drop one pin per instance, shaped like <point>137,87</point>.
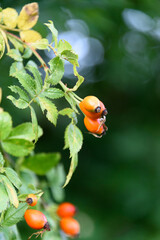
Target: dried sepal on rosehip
<point>32,199</point>
<point>36,220</point>
<point>66,209</point>
<point>70,227</point>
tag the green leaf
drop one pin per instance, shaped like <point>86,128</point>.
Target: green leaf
<point>2,45</point>
<point>4,199</point>
<point>71,57</point>
<point>13,177</point>
<point>74,163</point>
<point>16,67</point>
<point>16,43</point>
<point>42,163</point>
<point>14,215</point>
<point>1,160</point>
<point>5,125</point>
<point>70,113</point>
<point>51,109</point>
<point>57,70</point>
<point>73,138</point>
<point>27,53</point>
<point>22,94</point>
<point>54,32</point>
<point>63,45</point>
<point>37,77</point>
<point>19,103</point>
<point>40,44</point>
<point>26,81</point>
<point>17,147</point>
<point>36,130</point>
<point>25,131</point>
<point>15,54</point>
<point>10,190</point>
<point>53,93</point>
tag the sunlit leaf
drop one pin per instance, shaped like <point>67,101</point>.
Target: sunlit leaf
<point>40,44</point>
<point>30,36</point>
<point>1,160</point>
<point>17,44</point>
<point>10,16</point>
<point>2,45</point>
<point>63,45</point>
<point>22,94</point>
<point>19,103</point>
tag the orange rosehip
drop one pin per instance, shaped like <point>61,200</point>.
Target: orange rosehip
<point>94,125</point>
<point>70,226</point>
<point>36,219</point>
<point>103,112</point>
<point>66,209</point>
<point>32,199</point>
<point>91,104</point>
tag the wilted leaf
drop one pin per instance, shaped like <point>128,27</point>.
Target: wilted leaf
<point>5,125</point>
<point>10,190</point>
<point>51,109</point>
<point>28,16</point>
<point>13,177</point>
<point>42,163</point>
<point>18,147</point>
<point>10,16</point>
<point>30,36</point>
<point>14,215</point>
<point>57,70</point>
<point>54,32</point>
<point>74,162</point>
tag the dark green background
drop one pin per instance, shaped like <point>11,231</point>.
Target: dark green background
<point>117,183</point>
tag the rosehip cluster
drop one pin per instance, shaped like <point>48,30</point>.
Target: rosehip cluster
<point>95,115</point>
<point>68,224</point>
<point>34,218</point>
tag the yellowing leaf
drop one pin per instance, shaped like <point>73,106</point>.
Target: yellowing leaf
<point>30,36</point>
<point>10,17</point>
<point>28,16</point>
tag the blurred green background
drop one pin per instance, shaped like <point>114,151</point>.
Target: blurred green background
<point>117,183</point>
